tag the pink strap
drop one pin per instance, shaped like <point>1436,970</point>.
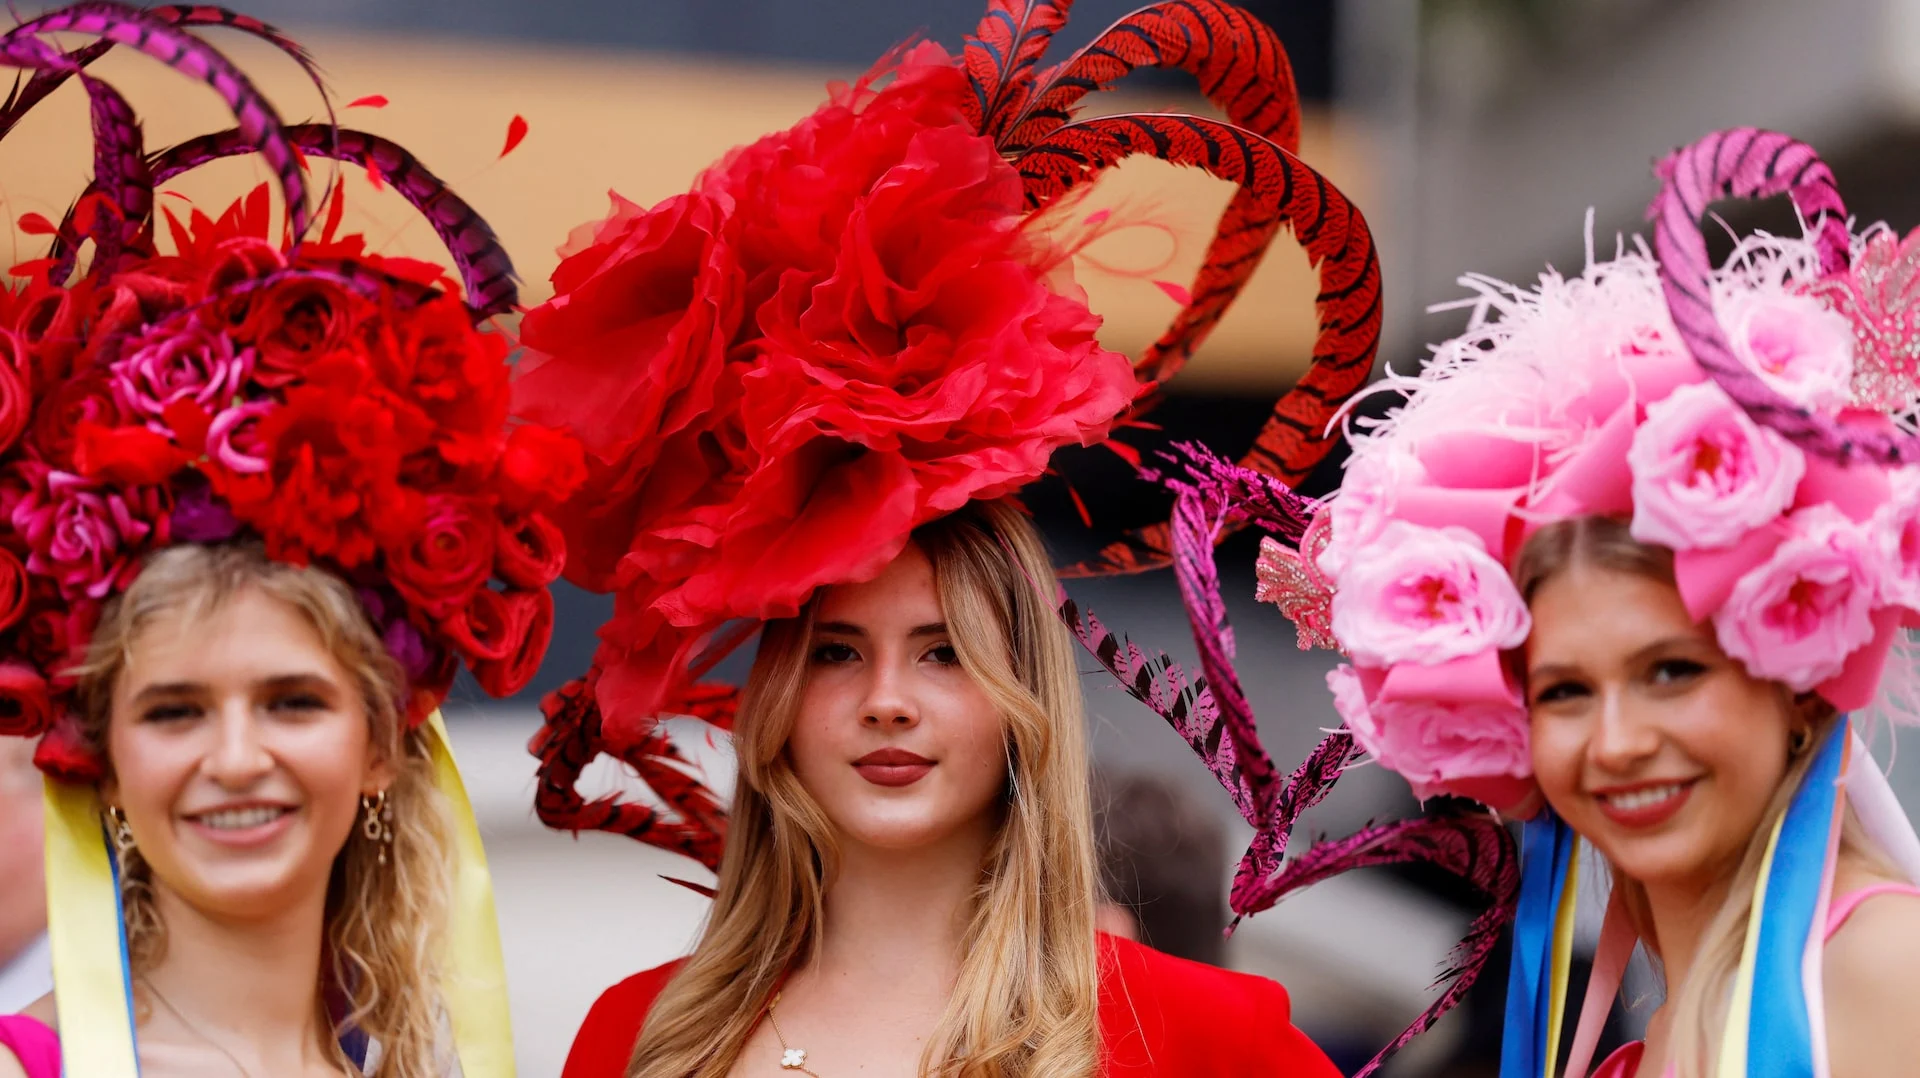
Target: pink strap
<point>1603,984</point>
<point>36,1046</point>
<point>1844,908</point>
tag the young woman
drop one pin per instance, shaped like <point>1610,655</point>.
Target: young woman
<point>804,387</point>
<point>258,503</point>
<point>913,815</point>
<point>1582,567</point>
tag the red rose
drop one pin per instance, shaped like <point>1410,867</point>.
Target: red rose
<point>531,619</point>
<point>16,400</point>
<point>540,466</point>
<point>13,590</point>
<point>87,397</point>
<point>26,702</point>
<point>528,551</point>
<point>295,322</point>
<point>448,559</point>
<point>47,319</point>
<point>55,635</point>
<point>628,354</point>
<point>230,267</point>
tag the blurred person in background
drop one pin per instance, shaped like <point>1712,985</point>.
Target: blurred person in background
<point>1163,866</point>
<point>26,971</point>
<point>263,504</point>
<point>1635,546</point>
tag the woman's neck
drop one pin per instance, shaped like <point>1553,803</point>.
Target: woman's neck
<point>901,915</point>
<point>1681,914</point>
<point>251,987</point>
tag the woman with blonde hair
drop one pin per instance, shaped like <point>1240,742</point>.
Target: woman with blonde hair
<point>807,388</point>
<point>1630,554</point>
<point>261,502</point>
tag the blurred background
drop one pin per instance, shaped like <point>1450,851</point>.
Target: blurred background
<point>1476,134</point>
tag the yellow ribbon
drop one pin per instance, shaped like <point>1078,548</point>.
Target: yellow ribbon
<point>89,965</point>
<point>1733,1038</point>
<point>1562,968</point>
<point>476,983</point>
<point>83,927</point>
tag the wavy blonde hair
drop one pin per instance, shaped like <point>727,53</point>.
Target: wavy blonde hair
<point>385,923</point>
<point>1025,1004</point>
<point>1700,1006</point>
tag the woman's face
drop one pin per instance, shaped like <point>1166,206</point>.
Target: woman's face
<point>893,738</point>
<point>240,750</point>
<point>1647,739</point>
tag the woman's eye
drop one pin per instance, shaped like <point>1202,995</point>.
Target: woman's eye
<point>944,654</point>
<point>1559,691</point>
<point>304,701</point>
<point>1673,671</point>
<point>834,654</point>
<point>170,712</point>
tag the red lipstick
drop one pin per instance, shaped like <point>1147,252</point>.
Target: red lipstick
<point>892,767</point>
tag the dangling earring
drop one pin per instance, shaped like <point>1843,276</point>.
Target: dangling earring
<point>374,825</point>
<point>122,832</point>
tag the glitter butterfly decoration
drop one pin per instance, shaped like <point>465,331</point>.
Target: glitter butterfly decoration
<point>1292,581</point>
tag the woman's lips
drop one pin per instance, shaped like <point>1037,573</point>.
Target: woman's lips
<point>242,827</point>
<point>893,767</point>
<point>1645,805</point>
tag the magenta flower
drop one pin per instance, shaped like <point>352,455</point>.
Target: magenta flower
<point>1426,595</point>
<point>87,536</point>
<point>179,360</point>
<point>233,439</point>
<point>1797,616</point>
<point>1704,474</point>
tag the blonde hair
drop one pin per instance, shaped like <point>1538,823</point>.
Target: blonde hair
<point>385,923</point>
<point>1698,1012</point>
<point>1025,1004</point>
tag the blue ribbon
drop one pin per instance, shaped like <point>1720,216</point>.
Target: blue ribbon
<point>1546,856</point>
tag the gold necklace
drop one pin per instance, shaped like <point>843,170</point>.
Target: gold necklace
<point>791,1059</point>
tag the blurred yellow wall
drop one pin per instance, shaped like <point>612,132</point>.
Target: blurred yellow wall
<point>644,125</point>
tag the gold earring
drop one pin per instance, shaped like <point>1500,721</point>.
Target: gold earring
<point>1802,740</point>
<point>374,824</point>
<point>121,831</point>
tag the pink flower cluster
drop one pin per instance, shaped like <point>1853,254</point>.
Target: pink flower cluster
<point>1806,568</point>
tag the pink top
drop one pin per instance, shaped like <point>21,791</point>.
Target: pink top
<point>36,1046</point>
<point>1624,1062</point>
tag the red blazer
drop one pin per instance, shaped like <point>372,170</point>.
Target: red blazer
<point>1160,1017</point>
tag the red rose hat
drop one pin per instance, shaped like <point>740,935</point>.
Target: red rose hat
<point>852,327</point>
<point>285,385</point>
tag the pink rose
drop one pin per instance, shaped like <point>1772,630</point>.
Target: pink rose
<point>87,536</point>
<point>1361,508</point>
<point>1795,343</point>
<point>1704,474</point>
<point>233,439</point>
<point>1797,616</point>
<point>180,360</point>
<point>1431,743</point>
<point>1426,595</point>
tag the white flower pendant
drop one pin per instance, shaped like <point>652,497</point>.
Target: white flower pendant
<point>793,1059</point>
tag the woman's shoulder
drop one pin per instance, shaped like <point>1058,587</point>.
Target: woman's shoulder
<point>605,1041</point>
<point>1161,1015</point>
<point>1871,975</point>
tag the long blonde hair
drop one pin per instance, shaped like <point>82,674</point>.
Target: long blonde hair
<point>385,923</point>
<point>1698,1012</point>
<point>1025,1004</point>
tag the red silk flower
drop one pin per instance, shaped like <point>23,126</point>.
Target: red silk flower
<point>843,332</point>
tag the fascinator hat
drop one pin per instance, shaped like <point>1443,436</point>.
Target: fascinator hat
<point>857,325</point>
<point>1754,418</point>
<point>238,379</point>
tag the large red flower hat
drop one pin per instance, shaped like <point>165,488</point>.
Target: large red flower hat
<point>255,382</point>
<point>851,327</point>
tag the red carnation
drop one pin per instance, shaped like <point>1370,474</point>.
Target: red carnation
<point>441,567</point>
